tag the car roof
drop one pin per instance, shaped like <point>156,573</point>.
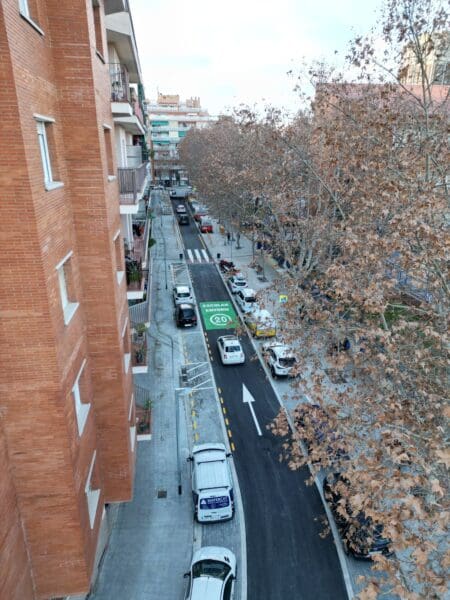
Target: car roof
<point>282,350</point>
<point>248,292</point>
<point>229,338</point>
<point>215,553</point>
<point>186,306</point>
<point>182,288</point>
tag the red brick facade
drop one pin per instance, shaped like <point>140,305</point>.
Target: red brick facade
<point>47,543</point>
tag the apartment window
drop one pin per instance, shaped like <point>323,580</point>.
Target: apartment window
<point>80,391</point>
<point>126,346</point>
<point>98,27</point>
<point>92,491</point>
<point>108,151</point>
<point>132,421</point>
<point>65,280</point>
<point>118,252</point>
<point>28,10</point>
<point>44,126</point>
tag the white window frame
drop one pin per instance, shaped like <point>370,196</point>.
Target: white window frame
<point>69,308</point>
<point>127,355</point>
<point>92,495</point>
<point>41,123</point>
<point>24,8</point>
<point>81,408</point>
<point>133,425</point>
<point>119,274</point>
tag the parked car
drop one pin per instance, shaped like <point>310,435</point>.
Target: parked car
<point>246,300</point>
<point>237,282</point>
<point>180,209</point>
<point>183,219</point>
<point>199,212</point>
<point>212,574</point>
<point>206,225</point>
<point>185,315</point>
<point>261,323</point>
<point>318,429</point>
<point>182,295</point>
<point>280,359</point>
<point>230,350</point>
<point>228,267</point>
<point>361,536</point>
<point>212,483</point>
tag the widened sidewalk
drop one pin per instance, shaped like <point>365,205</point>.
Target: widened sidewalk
<point>151,542</point>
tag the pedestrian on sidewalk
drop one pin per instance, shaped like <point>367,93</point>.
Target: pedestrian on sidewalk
<point>228,237</point>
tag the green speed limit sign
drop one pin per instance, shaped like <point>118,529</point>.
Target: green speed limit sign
<point>218,315</point>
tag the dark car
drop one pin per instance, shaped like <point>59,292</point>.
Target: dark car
<point>185,315</point>
<point>183,220</point>
<point>361,536</point>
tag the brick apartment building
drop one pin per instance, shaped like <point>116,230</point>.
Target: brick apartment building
<point>67,413</point>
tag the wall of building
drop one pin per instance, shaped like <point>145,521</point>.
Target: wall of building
<point>48,461</point>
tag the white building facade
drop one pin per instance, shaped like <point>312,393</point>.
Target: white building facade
<point>169,121</point>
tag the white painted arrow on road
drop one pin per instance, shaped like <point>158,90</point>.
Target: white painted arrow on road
<point>248,398</point>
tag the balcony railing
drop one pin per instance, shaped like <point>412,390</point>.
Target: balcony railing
<point>136,275</point>
<point>120,82</point>
<point>138,350</point>
<point>131,183</point>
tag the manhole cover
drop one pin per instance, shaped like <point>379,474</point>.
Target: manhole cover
<point>162,494</point>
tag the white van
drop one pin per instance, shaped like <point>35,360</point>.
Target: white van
<point>212,486</point>
<point>246,300</point>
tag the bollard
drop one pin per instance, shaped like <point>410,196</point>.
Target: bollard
<point>181,256</point>
<point>218,256</point>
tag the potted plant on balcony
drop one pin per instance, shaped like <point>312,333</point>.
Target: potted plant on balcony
<point>141,329</point>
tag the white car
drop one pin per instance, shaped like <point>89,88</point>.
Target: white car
<point>180,209</point>
<point>237,282</point>
<point>246,300</point>
<point>280,358</point>
<point>212,574</point>
<point>230,350</point>
<point>182,295</point>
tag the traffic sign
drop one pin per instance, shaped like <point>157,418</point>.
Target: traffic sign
<point>282,298</point>
<point>218,315</point>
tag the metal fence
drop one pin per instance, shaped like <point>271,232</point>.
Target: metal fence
<point>140,313</point>
<point>131,181</point>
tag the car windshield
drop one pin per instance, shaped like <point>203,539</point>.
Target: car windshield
<point>250,299</point>
<point>288,361</point>
<point>183,294</point>
<point>211,568</point>
<point>188,313</point>
<point>235,348</point>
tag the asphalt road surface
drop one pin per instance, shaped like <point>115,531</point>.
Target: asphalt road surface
<point>286,556</point>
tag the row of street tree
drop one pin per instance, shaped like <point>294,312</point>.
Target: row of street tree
<point>352,197</point>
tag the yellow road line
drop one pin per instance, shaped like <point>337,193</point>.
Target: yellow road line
<point>232,447</point>
<point>224,410</point>
<point>229,433</point>
<point>219,391</point>
<point>227,422</point>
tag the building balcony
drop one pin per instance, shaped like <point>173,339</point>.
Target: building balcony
<point>139,352</point>
<point>137,278</point>
<point>125,106</point>
<point>132,184</point>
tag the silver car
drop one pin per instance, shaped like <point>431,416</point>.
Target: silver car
<point>182,295</point>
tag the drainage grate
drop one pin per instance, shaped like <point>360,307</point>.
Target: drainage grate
<point>162,494</point>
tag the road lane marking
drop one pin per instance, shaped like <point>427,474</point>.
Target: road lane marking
<point>248,399</point>
<point>232,446</point>
<point>198,255</point>
<point>205,255</point>
<point>191,257</point>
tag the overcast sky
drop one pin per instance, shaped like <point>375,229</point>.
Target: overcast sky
<point>239,51</point>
